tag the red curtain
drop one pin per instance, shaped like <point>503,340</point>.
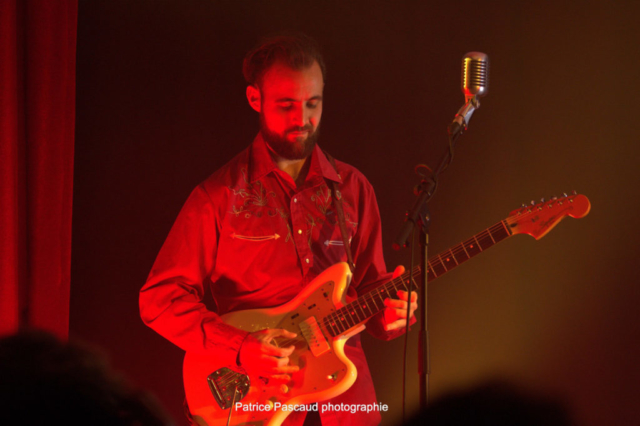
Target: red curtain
<point>37,120</point>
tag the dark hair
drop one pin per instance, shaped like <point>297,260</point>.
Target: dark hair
<point>46,381</point>
<point>296,50</point>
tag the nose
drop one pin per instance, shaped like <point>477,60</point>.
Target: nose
<point>299,115</point>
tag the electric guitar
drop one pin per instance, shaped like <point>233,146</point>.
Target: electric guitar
<point>323,321</point>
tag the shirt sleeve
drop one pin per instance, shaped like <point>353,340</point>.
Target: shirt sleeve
<point>371,271</point>
<point>171,299</point>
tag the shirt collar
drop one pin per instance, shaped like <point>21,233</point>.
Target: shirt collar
<point>261,162</point>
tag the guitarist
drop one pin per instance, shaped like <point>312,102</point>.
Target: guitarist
<point>263,226</point>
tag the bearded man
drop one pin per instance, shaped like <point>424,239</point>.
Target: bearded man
<point>261,228</point>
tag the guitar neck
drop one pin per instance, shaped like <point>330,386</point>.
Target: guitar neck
<point>371,303</point>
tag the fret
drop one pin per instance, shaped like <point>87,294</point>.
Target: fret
<point>344,319</point>
<point>430,274</point>
<point>346,314</point>
<point>450,257</point>
<point>460,253</point>
<point>501,232</point>
<point>377,292</point>
<point>371,305</point>
<point>390,290</point>
<point>489,232</point>
<point>430,270</point>
<point>465,251</point>
<point>364,299</point>
<point>336,326</point>
<point>416,273</point>
<point>439,267</point>
<point>354,312</point>
<point>411,283</point>
<point>336,323</point>
<point>393,285</point>
<point>354,308</point>
<point>406,283</point>
<point>484,240</point>
<point>384,293</point>
<point>333,326</point>
<point>360,303</point>
<point>472,247</point>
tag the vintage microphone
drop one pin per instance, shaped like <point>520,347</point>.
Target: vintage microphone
<point>475,84</point>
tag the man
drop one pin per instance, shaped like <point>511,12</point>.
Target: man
<point>263,226</point>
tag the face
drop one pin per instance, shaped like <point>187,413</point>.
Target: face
<point>290,106</point>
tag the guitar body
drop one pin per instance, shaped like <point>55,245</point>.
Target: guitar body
<point>322,375</point>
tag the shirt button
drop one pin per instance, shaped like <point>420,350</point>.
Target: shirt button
<point>300,232</point>
<point>295,200</point>
<point>306,260</point>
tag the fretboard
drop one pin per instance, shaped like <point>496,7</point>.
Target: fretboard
<point>371,303</point>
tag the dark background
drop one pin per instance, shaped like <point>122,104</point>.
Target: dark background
<point>160,106</point>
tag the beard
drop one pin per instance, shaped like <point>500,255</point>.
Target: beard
<point>298,150</point>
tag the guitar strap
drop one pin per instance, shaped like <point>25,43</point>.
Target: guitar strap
<point>337,196</point>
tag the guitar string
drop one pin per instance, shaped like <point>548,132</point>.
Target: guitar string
<point>458,249</point>
<point>456,252</point>
<point>336,320</point>
<point>402,281</point>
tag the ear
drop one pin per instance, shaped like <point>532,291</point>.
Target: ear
<point>253,96</point>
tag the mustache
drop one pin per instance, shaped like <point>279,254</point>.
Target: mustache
<point>307,128</point>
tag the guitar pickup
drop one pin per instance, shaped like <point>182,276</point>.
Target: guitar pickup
<point>316,341</point>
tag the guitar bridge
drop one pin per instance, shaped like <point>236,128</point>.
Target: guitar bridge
<point>313,335</point>
<point>225,384</point>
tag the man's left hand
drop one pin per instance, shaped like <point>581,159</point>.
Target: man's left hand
<point>395,313</point>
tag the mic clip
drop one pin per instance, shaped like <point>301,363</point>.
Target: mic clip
<point>463,116</point>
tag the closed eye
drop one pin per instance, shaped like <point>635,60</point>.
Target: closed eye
<point>285,106</point>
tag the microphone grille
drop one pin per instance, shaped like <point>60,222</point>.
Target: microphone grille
<point>475,74</point>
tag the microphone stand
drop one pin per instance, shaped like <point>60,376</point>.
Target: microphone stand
<point>420,215</point>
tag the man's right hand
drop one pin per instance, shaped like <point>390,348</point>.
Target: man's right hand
<point>259,356</point>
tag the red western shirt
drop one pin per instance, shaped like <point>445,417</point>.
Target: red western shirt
<point>256,240</point>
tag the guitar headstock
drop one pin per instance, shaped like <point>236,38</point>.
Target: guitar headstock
<point>539,218</point>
